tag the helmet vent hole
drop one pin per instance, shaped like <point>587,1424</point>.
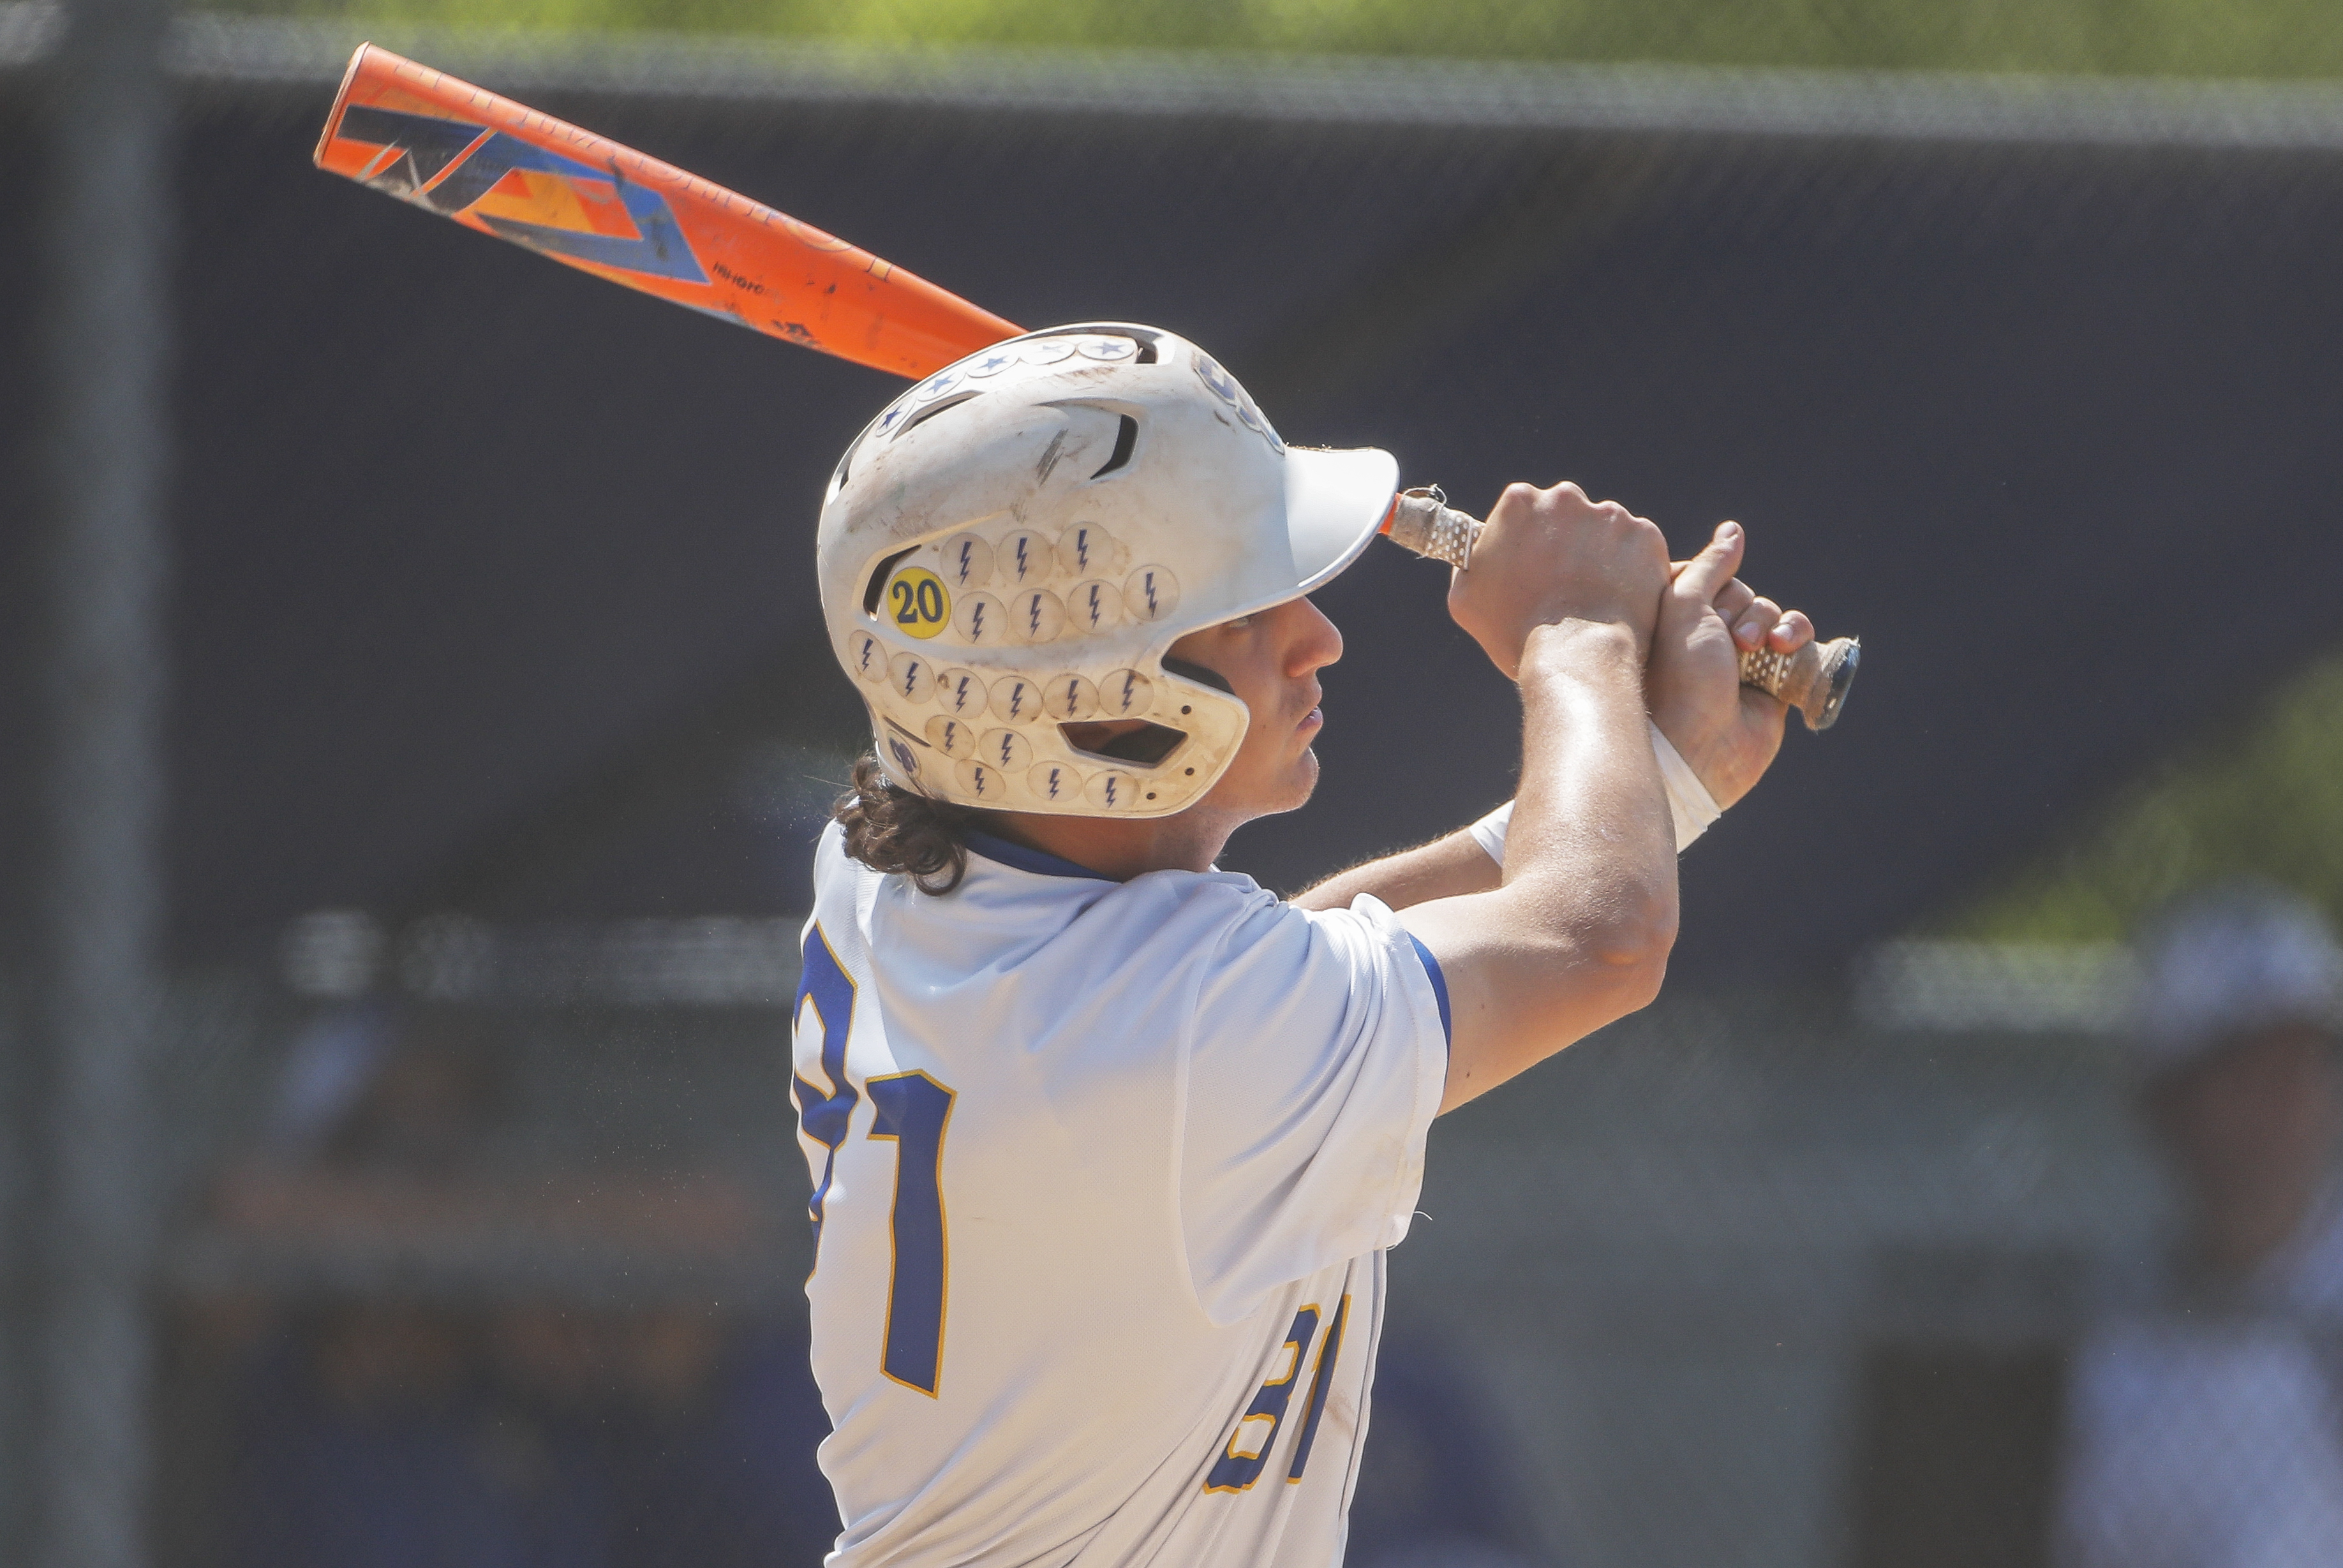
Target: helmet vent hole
<point>1145,744</point>
<point>1125,438</point>
<point>878,580</point>
<point>932,409</point>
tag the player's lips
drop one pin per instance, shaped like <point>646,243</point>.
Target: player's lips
<point>1315,718</point>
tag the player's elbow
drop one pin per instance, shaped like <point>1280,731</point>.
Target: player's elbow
<point>1629,946</point>
<point>1637,985</point>
<point>1611,933</point>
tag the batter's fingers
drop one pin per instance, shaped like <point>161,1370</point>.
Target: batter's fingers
<point>1749,631</point>
<point>1791,633</point>
<point>1732,599</point>
<point>1713,568</point>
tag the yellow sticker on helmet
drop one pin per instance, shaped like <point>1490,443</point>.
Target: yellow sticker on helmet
<point>917,602</point>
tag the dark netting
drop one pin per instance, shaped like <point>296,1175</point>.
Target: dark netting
<point>500,720</point>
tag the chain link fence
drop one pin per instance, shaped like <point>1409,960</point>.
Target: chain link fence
<point>500,724</point>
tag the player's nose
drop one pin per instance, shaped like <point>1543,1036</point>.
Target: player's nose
<point>1316,642</point>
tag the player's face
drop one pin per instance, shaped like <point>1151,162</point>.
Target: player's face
<point>2254,1126</point>
<point>1271,659</point>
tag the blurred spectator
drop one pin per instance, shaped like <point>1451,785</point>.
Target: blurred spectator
<point>1435,1486</point>
<point>475,1423</point>
<point>718,1467</point>
<point>2205,1427</point>
<point>369,1443</point>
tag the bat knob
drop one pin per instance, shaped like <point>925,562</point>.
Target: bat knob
<point>1815,680</point>
<point>1840,674</point>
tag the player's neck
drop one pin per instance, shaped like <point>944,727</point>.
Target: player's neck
<point>1121,849</point>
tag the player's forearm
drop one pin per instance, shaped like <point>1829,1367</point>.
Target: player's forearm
<point>1578,934</point>
<point>1590,858</point>
<point>1448,866</point>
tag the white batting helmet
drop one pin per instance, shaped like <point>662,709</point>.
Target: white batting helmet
<point>1014,546</point>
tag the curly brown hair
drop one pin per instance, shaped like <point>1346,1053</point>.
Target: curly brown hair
<point>891,828</point>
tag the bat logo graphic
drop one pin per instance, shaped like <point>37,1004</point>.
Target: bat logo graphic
<point>572,210</point>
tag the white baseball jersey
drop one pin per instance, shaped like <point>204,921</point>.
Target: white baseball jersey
<point>2205,1438</point>
<point>1102,1173</point>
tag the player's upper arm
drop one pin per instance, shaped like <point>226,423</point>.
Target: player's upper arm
<point>1317,1064</point>
<point>1532,967</point>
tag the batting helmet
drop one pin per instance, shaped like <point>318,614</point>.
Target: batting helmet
<point>1007,553</point>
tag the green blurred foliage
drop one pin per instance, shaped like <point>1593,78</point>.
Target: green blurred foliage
<point>2267,799</point>
<point>2173,38</point>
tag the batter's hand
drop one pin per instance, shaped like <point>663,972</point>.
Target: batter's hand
<point>1550,556</point>
<point>1728,732</point>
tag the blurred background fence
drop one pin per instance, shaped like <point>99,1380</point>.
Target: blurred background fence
<point>492,718</point>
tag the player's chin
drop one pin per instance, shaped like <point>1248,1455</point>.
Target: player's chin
<point>1301,780</point>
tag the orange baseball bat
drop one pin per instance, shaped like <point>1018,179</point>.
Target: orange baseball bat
<point>506,170</point>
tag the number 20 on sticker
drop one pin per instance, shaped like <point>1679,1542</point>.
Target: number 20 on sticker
<point>917,602</point>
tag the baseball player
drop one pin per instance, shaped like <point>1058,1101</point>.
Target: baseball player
<point>2204,1409</point>
<point>1107,1144</point>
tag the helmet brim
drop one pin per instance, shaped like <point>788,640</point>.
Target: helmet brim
<point>1335,502</point>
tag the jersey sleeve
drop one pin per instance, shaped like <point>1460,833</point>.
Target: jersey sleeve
<point>1318,1056</point>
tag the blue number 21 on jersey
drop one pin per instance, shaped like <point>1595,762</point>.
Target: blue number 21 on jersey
<point>911,1110</point>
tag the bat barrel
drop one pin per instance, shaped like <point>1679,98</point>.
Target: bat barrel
<point>504,169</point>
